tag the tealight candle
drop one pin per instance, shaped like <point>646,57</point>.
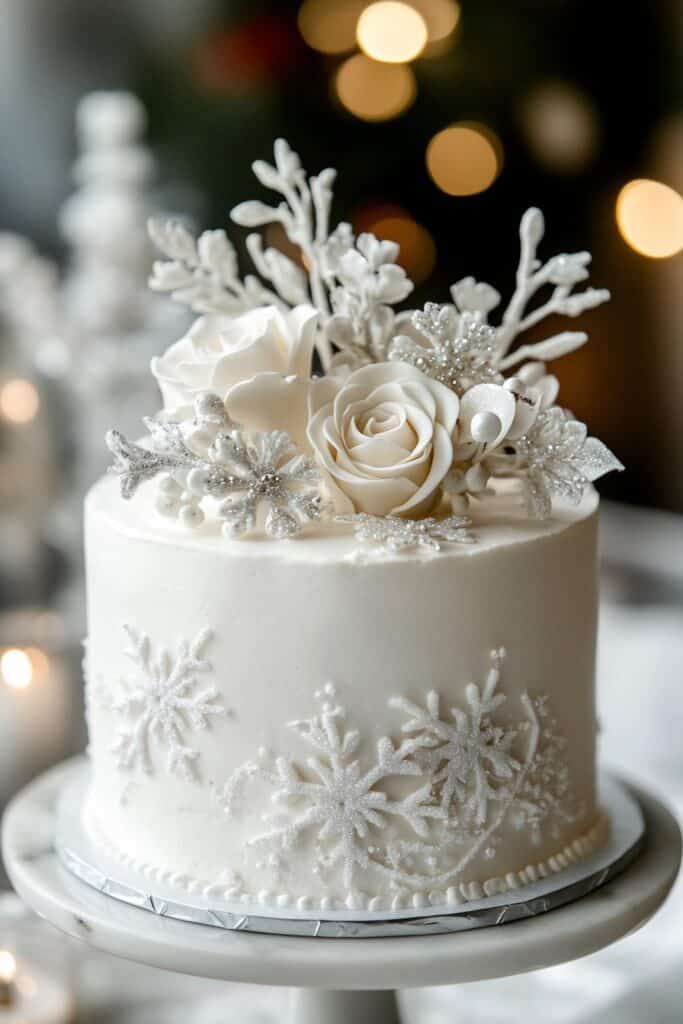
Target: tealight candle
<point>35,719</point>
<point>30,996</point>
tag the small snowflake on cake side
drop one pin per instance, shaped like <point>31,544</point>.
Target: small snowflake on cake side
<point>161,706</point>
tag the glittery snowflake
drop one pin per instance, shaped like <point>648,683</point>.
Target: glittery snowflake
<point>161,706</point>
<point>469,755</point>
<point>268,472</point>
<point>209,457</point>
<point>560,460</point>
<point>458,351</point>
<point>396,534</point>
<point>332,798</point>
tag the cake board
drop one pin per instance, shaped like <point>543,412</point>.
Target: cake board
<point>336,981</point>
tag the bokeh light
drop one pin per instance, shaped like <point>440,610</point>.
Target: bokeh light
<point>16,668</point>
<point>373,91</point>
<point>441,18</point>
<point>329,26</point>
<point>19,401</point>
<point>464,158</point>
<point>650,218</point>
<point>561,126</point>
<point>392,32</point>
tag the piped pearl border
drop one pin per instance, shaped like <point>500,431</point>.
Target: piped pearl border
<point>455,895</point>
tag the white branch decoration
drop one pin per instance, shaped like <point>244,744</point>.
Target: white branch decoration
<point>563,272</point>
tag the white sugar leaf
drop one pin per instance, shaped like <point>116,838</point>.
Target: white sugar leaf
<point>217,253</point>
<point>595,459</point>
<point>551,348</point>
<point>173,239</point>
<point>574,305</point>
<point>289,280</point>
<point>267,175</point>
<point>169,276</point>
<point>253,214</point>
<point>532,226</point>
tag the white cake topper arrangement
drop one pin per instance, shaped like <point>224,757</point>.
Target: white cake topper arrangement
<point>415,411</point>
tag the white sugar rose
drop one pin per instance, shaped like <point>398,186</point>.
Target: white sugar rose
<point>384,439</point>
<point>220,351</point>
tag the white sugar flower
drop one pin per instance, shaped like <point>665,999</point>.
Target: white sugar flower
<point>385,439</point>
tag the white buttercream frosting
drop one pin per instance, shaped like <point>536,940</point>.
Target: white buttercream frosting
<point>321,655</point>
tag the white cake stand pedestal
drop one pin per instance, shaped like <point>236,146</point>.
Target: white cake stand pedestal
<point>338,981</point>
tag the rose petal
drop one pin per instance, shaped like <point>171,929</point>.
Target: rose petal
<point>270,401</point>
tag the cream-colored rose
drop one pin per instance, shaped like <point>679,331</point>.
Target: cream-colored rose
<point>259,348</point>
<point>384,439</point>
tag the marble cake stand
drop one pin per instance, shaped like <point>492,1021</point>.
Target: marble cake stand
<point>338,981</point>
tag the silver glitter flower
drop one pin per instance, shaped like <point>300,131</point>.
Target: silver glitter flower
<point>561,460</point>
<point>397,534</point>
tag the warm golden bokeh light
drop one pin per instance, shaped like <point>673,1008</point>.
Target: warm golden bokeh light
<point>464,159</point>
<point>19,401</point>
<point>16,669</point>
<point>561,126</point>
<point>440,16</point>
<point>418,251</point>
<point>650,218</point>
<point>329,26</point>
<point>372,91</point>
<point>392,32</point>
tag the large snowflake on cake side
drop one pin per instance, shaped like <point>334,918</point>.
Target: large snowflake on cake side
<point>161,705</point>
<point>468,753</point>
<point>332,798</point>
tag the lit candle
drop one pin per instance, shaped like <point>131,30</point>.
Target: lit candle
<point>8,970</point>
<point>29,996</point>
<point>34,702</point>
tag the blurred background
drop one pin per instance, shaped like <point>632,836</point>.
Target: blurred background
<point>445,120</point>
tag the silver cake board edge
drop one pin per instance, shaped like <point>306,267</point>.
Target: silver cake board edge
<point>83,859</point>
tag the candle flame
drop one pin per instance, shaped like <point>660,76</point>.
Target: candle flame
<point>16,669</point>
<point>8,967</point>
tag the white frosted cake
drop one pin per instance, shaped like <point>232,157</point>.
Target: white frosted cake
<point>341,643</point>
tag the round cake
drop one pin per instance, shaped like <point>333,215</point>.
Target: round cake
<point>342,628</point>
<point>320,726</point>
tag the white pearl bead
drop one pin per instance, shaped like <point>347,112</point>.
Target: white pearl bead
<point>485,427</point>
<point>196,480</point>
<point>477,478</point>
<point>191,516</point>
<point>167,505</point>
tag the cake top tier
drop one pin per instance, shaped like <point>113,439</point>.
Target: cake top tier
<point>303,395</point>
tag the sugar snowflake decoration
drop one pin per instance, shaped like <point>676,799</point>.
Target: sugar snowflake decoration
<point>161,705</point>
<point>396,534</point>
<point>332,798</point>
<point>469,756</point>
<point>472,772</point>
<point>212,458</point>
